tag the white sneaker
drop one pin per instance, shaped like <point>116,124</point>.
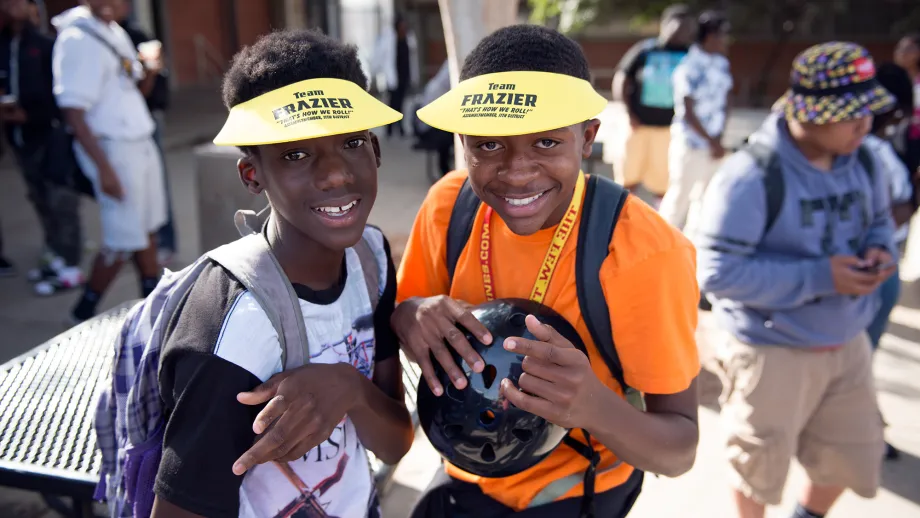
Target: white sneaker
<point>66,278</point>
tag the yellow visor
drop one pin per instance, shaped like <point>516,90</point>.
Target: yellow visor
<point>308,109</point>
<point>513,103</point>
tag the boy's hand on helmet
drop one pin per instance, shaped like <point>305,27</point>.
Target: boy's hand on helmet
<point>558,383</point>
<point>304,407</point>
<point>424,325</point>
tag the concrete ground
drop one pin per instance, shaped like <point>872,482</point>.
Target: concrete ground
<point>26,321</point>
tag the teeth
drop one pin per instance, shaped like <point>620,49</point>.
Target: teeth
<point>520,202</point>
<point>337,211</point>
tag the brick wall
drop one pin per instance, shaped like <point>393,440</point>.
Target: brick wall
<point>748,59</point>
<point>186,21</point>
<point>253,19</point>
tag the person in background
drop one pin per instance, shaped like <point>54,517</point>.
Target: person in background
<point>157,102</point>
<point>98,83</point>
<point>643,83</point>
<point>907,56</point>
<point>702,82</point>
<point>396,56</point>
<point>898,178</point>
<point>440,141</point>
<point>796,295</point>
<point>30,116</point>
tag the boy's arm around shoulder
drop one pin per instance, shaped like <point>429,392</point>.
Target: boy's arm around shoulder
<point>651,291</point>
<point>728,236</point>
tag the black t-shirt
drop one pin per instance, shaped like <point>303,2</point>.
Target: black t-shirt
<point>220,344</point>
<point>650,65</point>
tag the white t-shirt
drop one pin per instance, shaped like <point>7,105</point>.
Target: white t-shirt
<point>88,75</point>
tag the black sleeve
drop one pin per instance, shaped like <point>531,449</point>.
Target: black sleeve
<point>631,60</point>
<point>387,344</point>
<point>205,433</point>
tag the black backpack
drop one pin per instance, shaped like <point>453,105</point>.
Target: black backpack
<point>767,159</point>
<point>604,200</point>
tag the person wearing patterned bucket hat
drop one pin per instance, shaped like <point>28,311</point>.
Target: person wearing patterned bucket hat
<point>795,237</point>
<point>505,228</point>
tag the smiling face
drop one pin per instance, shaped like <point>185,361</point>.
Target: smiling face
<point>323,188</point>
<point>529,179</point>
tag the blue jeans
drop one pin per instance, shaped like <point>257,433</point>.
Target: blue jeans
<point>166,236</point>
<point>889,291</point>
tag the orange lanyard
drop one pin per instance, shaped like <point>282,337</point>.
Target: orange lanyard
<point>545,274</point>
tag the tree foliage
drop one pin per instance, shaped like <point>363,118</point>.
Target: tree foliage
<point>769,18</point>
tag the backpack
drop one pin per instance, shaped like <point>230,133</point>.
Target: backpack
<point>130,417</point>
<point>767,160</point>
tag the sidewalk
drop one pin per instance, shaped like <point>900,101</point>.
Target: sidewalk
<point>26,321</point>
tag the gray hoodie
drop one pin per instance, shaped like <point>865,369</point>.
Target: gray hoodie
<point>777,289</point>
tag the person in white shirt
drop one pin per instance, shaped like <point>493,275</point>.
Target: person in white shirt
<point>702,82</point>
<point>96,75</point>
<point>396,56</point>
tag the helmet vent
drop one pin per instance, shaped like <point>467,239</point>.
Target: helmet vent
<point>522,435</point>
<point>487,417</point>
<point>488,453</point>
<point>518,319</point>
<point>453,430</point>
<point>488,376</point>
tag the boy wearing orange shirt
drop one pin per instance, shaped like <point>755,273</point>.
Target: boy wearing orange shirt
<point>525,112</point>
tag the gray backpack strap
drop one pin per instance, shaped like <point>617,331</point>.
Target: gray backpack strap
<point>371,270</point>
<point>250,261</point>
<point>249,222</point>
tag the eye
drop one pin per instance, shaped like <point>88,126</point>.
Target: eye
<point>547,143</point>
<point>355,143</point>
<point>490,146</point>
<point>294,156</point>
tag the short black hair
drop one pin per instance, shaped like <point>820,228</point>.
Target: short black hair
<point>898,83</point>
<point>527,48</point>
<point>286,57</point>
<point>711,22</point>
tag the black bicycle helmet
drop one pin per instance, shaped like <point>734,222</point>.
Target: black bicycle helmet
<point>476,429</point>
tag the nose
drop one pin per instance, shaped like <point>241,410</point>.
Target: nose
<point>519,170</point>
<point>331,172</point>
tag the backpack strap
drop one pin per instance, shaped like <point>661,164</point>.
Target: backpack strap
<point>370,269</point>
<point>461,225</point>
<point>864,155</point>
<point>251,261</point>
<point>773,182</point>
<point>604,200</point>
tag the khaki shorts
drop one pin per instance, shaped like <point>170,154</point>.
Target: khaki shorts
<point>644,159</point>
<point>817,406</point>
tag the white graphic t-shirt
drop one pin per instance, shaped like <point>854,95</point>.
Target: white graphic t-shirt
<point>222,343</point>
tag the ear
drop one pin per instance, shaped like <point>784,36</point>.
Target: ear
<point>376,143</point>
<point>249,175</point>
<point>589,132</point>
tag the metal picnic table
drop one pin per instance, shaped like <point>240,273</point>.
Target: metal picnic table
<point>47,405</point>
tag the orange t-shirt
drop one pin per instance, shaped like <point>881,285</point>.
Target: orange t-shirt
<point>649,280</point>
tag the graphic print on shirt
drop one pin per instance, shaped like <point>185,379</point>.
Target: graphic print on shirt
<point>333,479</point>
<point>837,211</point>
<point>657,89</point>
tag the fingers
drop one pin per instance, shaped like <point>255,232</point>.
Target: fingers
<point>272,445</point>
<point>263,392</point>
<point>534,405</point>
<point>419,347</point>
<point>544,370</point>
<point>444,356</point>
<point>541,350</point>
<point>463,317</point>
<point>546,333</point>
<point>272,411</point>
<point>537,387</point>
<point>458,341</point>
